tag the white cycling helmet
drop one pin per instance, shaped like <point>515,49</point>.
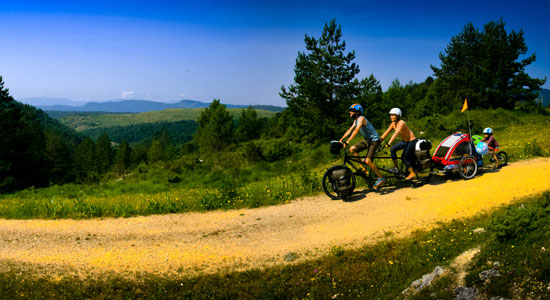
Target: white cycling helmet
<point>488,130</point>
<point>395,111</point>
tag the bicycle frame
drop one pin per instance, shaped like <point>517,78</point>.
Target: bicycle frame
<point>356,165</point>
<point>352,160</point>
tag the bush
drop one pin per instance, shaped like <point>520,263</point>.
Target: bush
<point>513,224</point>
<point>277,149</point>
<point>532,149</point>
<point>252,152</point>
<point>519,245</point>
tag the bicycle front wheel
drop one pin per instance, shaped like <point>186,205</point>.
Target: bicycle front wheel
<point>330,185</point>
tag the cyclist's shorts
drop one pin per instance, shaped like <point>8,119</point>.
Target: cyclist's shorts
<point>364,145</point>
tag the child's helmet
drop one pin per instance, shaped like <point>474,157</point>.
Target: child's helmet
<point>488,130</point>
<point>356,107</point>
<point>396,111</point>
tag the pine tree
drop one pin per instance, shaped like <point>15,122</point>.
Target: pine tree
<point>325,85</point>
<point>103,153</point>
<point>121,161</point>
<point>249,126</point>
<point>156,151</point>
<point>485,68</point>
<point>58,155</point>
<point>22,160</point>
<point>85,164</point>
<point>215,129</point>
<point>371,98</point>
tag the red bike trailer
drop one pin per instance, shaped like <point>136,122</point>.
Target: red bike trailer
<point>457,153</point>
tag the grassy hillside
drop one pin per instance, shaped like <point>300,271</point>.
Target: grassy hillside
<point>180,132</point>
<point>232,181</point>
<point>379,271</point>
<point>90,121</point>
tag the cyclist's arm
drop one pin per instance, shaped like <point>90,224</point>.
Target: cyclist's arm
<point>346,134</point>
<point>390,128</point>
<point>360,123</point>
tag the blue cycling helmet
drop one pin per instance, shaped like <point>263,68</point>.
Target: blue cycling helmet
<point>356,107</point>
<point>488,130</point>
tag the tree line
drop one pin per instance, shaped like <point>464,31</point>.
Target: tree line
<point>484,66</point>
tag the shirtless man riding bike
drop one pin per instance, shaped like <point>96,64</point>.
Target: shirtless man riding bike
<point>407,143</point>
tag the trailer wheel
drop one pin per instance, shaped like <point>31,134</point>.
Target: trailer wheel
<point>467,167</point>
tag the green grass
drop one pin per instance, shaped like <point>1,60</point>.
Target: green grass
<point>90,121</point>
<point>184,186</point>
<point>75,201</point>
<point>379,271</point>
<point>170,187</point>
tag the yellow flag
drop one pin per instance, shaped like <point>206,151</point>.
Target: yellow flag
<point>465,106</point>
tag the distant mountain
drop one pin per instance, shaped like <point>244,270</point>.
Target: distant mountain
<point>45,101</point>
<point>544,97</point>
<point>127,106</point>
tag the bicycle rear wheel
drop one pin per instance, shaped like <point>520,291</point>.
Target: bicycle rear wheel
<point>502,158</point>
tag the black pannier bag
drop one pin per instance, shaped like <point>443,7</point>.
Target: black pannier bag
<point>335,147</point>
<point>342,182</point>
<point>422,153</point>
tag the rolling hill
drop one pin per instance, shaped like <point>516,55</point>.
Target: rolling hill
<point>81,122</point>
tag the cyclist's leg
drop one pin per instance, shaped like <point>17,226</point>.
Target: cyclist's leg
<point>408,158</point>
<point>393,150</point>
<point>370,158</point>
<point>493,153</point>
<point>358,147</point>
<point>355,149</point>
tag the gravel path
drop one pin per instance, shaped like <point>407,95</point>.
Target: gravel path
<point>192,243</point>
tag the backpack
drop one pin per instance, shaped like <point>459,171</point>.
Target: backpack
<point>341,181</point>
<point>335,147</point>
<point>422,154</point>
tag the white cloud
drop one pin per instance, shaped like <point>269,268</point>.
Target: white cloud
<point>127,94</point>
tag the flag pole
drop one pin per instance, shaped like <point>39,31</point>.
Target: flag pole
<point>469,127</point>
<point>465,107</point>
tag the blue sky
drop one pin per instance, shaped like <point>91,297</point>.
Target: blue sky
<point>241,52</point>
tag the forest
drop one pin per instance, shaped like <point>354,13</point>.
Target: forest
<point>485,66</point>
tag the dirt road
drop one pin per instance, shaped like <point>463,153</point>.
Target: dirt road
<point>186,244</point>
